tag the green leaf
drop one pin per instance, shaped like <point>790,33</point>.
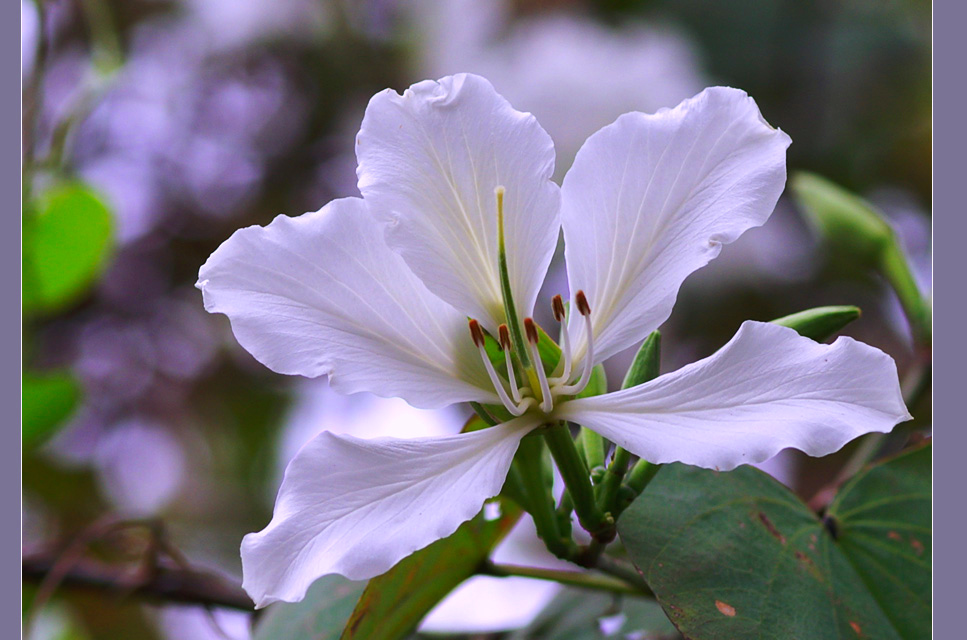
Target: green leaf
<point>882,519</point>
<point>575,614</point>
<point>321,615</point>
<point>820,323</point>
<point>737,555</point>
<point>65,246</point>
<point>395,602</point>
<point>47,401</point>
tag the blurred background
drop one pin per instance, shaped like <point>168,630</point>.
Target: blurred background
<point>155,128</point>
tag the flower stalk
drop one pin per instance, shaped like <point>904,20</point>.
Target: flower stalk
<point>578,482</point>
<point>529,463</point>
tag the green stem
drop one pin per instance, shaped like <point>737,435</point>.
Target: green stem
<point>578,482</point>
<point>573,578</point>
<point>612,479</point>
<point>530,464</point>
<point>515,489</point>
<point>593,448</point>
<point>609,565</point>
<point>896,269</point>
<point>641,474</point>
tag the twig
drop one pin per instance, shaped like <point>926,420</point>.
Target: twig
<point>573,578</point>
<point>166,584</point>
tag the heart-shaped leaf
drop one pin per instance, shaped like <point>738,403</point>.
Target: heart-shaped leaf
<point>737,555</point>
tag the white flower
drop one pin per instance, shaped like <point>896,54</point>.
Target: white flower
<point>375,292</point>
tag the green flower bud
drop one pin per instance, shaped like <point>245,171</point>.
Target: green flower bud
<point>820,323</point>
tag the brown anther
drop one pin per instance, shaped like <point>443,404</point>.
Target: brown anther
<point>504,334</point>
<point>582,301</point>
<point>558,305</point>
<point>476,333</point>
<point>531,330</point>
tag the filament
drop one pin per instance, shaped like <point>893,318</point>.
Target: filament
<point>547,401</point>
<point>504,333</point>
<point>478,339</point>
<point>558,305</point>
<point>579,386</point>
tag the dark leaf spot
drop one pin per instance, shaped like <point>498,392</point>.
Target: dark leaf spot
<point>771,528</point>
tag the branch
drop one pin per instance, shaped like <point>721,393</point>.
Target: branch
<point>165,584</point>
<point>573,578</point>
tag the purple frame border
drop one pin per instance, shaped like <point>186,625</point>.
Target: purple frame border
<point>950,227</point>
<point>10,346</point>
<point>950,310</point>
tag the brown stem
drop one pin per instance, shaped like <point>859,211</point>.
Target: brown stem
<point>165,584</point>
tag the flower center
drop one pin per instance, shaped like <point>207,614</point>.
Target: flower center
<point>543,390</point>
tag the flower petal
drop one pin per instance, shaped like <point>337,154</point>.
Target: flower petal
<point>767,389</point>
<point>323,294</point>
<point>652,198</point>
<point>356,507</point>
<point>429,162</point>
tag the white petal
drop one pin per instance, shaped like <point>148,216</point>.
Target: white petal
<point>767,389</point>
<point>357,507</point>
<point>429,161</point>
<point>323,294</point>
<point>652,198</point>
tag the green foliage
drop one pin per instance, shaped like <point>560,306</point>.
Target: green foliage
<point>47,401</point>
<point>395,602</point>
<point>65,246</point>
<point>575,614</point>
<point>820,323</point>
<point>737,555</point>
<point>391,605</point>
<point>883,524</point>
<point>320,616</point>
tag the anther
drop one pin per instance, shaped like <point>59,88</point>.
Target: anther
<point>557,304</point>
<point>504,334</point>
<point>478,339</point>
<point>476,333</point>
<point>547,402</point>
<point>530,329</point>
<point>581,301</point>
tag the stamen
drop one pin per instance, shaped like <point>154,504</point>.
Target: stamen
<point>547,402</point>
<point>478,339</point>
<point>504,333</point>
<point>558,305</point>
<point>585,310</point>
